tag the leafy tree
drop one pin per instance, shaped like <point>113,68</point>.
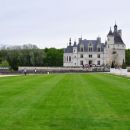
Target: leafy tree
<point>127,59</point>
<point>4,64</point>
<point>12,58</point>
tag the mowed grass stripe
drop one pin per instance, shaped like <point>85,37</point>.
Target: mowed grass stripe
<point>19,86</point>
<point>65,102</point>
<point>17,106</point>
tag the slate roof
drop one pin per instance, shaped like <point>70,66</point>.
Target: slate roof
<point>69,49</point>
<point>110,33</point>
<point>117,38</point>
<point>85,43</point>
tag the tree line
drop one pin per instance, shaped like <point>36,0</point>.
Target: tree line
<point>29,55</point>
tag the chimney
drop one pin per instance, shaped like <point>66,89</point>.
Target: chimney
<point>99,39</point>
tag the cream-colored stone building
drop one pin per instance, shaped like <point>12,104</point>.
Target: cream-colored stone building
<point>94,52</point>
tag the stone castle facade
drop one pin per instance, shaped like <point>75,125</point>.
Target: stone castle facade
<point>94,52</point>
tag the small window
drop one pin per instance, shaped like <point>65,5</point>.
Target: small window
<point>90,49</point>
<point>98,62</point>
<point>81,56</point>
<point>81,49</point>
<point>81,62</point>
<point>99,49</point>
<point>90,56</point>
<point>98,56</point>
<point>114,52</point>
<point>69,58</point>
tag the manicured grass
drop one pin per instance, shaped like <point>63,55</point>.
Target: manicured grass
<point>65,102</point>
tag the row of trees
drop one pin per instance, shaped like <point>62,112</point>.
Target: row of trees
<point>31,57</point>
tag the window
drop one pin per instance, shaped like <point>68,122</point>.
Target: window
<point>90,62</point>
<point>98,62</point>
<point>81,56</point>
<point>69,58</point>
<point>99,49</point>
<point>98,56</point>
<point>90,56</point>
<point>81,62</point>
<point>114,52</point>
<point>81,49</point>
<point>90,49</point>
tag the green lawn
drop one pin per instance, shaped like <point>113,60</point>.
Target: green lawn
<point>65,102</point>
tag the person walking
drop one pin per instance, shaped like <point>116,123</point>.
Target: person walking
<point>35,71</point>
<point>25,72</point>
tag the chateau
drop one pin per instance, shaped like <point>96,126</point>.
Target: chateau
<point>94,52</point>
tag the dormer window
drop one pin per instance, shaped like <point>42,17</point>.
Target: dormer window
<point>81,48</point>
<point>90,47</point>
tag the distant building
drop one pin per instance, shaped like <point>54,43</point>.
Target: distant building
<point>89,52</point>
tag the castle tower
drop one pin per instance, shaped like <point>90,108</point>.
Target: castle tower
<point>110,37</point>
<point>115,47</point>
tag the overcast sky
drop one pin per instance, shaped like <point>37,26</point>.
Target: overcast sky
<point>50,23</point>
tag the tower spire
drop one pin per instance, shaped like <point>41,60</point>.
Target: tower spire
<point>110,32</point>
<point>70,42</point>
<point>115,27</point>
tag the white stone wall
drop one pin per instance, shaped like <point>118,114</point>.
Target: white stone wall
<point>110,40</point>
<point>76,58</point>
<point>68,62</point>
<point>119,71</point>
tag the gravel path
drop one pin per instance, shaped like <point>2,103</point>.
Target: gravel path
<point>7,75</point>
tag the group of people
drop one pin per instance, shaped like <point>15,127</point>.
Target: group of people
<point>25,71</point>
